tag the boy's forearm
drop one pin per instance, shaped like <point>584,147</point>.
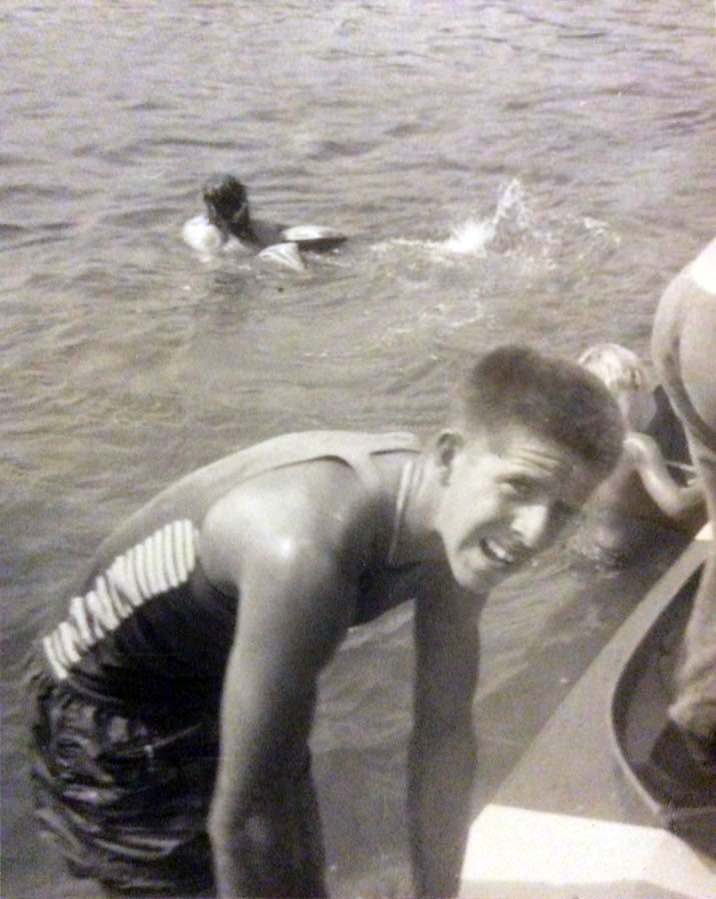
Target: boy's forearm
<point>673,499</point>
<point>271,843</point>
<point>267,856</point>
<point>441,773</point>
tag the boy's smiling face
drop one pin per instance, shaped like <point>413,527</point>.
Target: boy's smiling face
<point>505,496</point>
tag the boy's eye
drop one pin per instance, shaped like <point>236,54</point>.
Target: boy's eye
<point>519,488</point>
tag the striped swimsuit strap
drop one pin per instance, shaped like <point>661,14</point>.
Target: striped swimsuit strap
<point>160,563</point>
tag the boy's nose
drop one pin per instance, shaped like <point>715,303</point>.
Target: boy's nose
<point>531,523</point>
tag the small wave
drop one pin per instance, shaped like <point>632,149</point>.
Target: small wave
<point>331,149</point>
<point>16,159</point>
<point>18,236</point>
<point>29,190</point>
<point>140,217</point>
<point>8,231</point>
<point>182,141</point>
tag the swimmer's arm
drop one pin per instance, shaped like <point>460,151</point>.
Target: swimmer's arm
<point>296,606</point>
<point>673,499</point>
<point>442,755</point>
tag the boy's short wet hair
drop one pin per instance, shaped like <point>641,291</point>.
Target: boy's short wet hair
<point>554,397</point>
<point>617,366</point>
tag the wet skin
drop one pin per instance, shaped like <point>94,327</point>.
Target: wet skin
<point>506,497</point>
<point>295,542</point>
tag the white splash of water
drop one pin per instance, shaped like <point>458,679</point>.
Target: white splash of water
<point>510,220</point>
<point>469,239</point>
<point>510,223</point>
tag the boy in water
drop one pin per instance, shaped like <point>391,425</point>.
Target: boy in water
<point>641,502</point>
<point>175,704</point>
<point>683,342</point>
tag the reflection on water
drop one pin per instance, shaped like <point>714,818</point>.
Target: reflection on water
<point>505,172</point>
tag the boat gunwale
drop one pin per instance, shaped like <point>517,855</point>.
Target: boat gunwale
<point>663,603</point>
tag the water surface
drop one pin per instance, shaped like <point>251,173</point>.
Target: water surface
<point>514,171</point>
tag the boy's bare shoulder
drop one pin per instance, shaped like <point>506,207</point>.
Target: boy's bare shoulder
<point>321,503</point>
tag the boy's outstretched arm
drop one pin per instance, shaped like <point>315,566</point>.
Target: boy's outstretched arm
<point>442,754</point>
<point>264,827</point>
<point>672,498</point>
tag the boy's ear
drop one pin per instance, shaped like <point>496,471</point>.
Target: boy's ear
<point>448,444</point>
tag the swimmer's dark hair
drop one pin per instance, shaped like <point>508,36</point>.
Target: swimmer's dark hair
<point>557,398</point>
<point>226,199</point>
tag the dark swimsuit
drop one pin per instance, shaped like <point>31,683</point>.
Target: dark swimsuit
<point>125,741</point>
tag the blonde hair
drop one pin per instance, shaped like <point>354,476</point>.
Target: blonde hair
<point>616,366</point>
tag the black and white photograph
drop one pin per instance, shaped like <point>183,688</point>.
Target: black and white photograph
<point>358,450</point>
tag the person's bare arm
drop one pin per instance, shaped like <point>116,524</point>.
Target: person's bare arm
<point>442,749</point>
<point>673,499</point>
<point>296,604</point>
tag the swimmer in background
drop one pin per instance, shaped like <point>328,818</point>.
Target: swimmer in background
<point>642,502</point>
<point>228,225</point>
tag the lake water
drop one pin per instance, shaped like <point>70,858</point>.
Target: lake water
<point>507,171</point>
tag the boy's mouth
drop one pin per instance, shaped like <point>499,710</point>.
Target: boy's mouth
<point>500,553</point>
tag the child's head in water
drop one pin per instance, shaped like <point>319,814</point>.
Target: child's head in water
<point>624,374</point>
